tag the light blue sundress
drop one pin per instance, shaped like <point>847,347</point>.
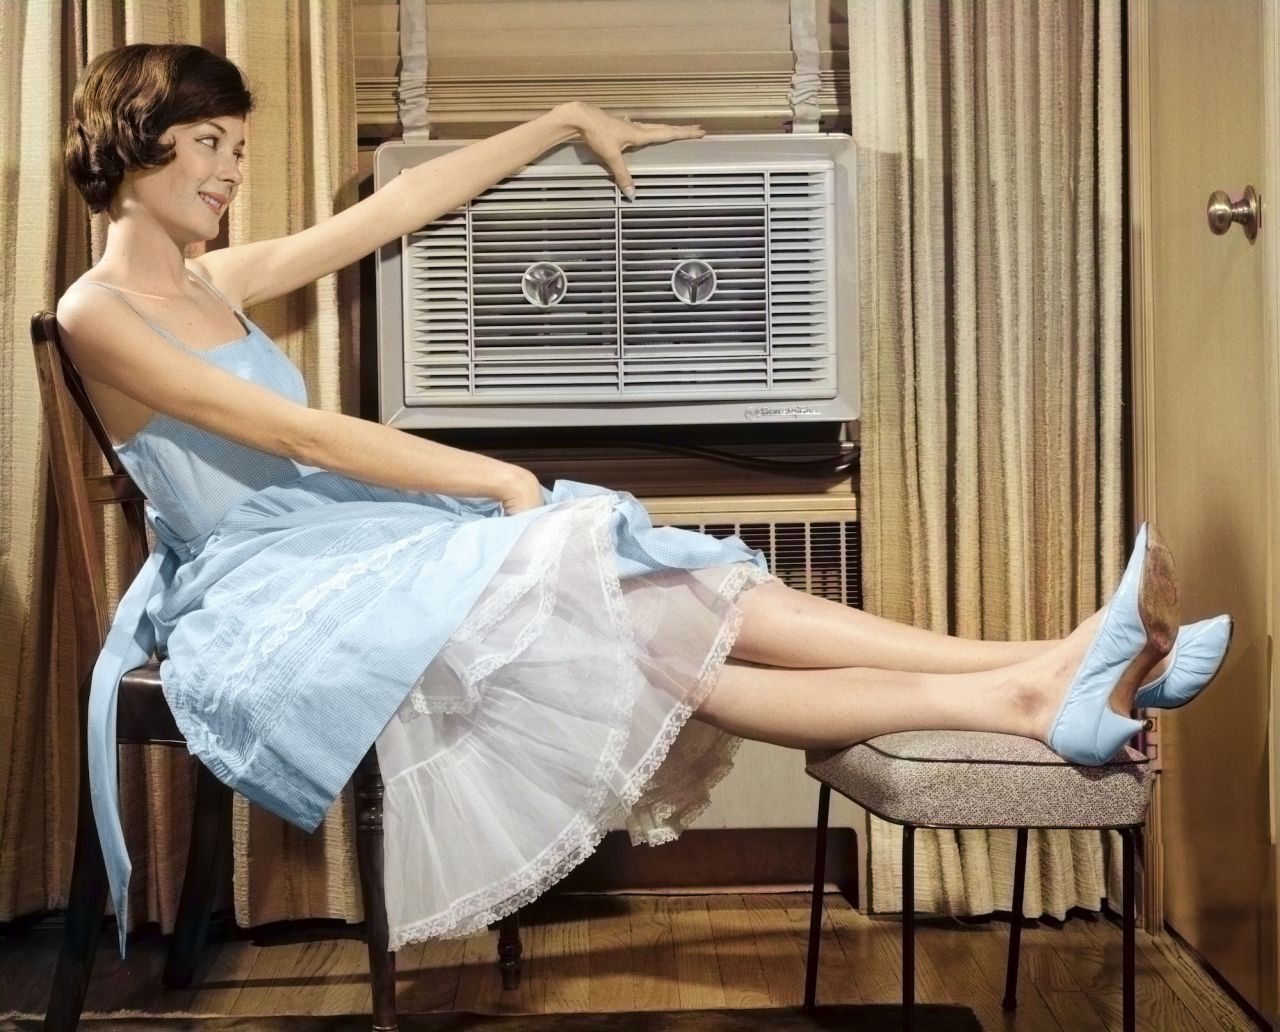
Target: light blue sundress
<point>527,679</point>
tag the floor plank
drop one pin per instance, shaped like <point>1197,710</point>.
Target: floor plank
<point>1203,997</point>
<point>780,955</point>
<point>697,968</point>
<point>338,979</point>
<point>835,982</point>
<point>1156,1001</point>
<point>872,945</point>
<point>649,953</point>
<point>427,974</point>
<point>609,938</point>
<point>567,947</point>
<point>741,974</point>
<point>654,973</point>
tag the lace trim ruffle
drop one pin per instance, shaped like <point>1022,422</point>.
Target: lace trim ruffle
<point>474,912</point>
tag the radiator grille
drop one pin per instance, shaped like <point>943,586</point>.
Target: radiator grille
<point>472,336</point>
<point>817,551</point>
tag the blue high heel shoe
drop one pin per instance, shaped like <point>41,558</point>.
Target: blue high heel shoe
<point>1197,656</point>
<point>1137,630</point>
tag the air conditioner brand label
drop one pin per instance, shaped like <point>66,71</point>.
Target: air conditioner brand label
<point>780,412</point>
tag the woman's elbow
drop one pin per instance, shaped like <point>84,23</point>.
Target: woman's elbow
<point>305,440</point>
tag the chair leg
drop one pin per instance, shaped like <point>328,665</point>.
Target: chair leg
<point>1128,988</point>
<point>382,962</point>
<point>815,903</point>
<point>509,950</point>
<point>908,925</point>
<point>1015,922</point>
<point>206,861</point>
<point>86,905</point>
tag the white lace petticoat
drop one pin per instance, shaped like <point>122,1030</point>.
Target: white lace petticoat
<point>559,707</point>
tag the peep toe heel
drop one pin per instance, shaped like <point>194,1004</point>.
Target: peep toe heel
<point>1138,628</point>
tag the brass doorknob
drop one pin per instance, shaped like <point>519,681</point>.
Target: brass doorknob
<point>1247,211</point>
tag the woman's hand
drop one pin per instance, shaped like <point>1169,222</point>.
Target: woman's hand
<point>521,492</point>
<point>609,137</point>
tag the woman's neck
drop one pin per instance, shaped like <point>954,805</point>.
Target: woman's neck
<point>145,257</point>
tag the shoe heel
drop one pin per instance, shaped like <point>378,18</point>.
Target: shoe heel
<point>1113,732</point>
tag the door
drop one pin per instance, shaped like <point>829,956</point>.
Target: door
<point>1201,95</point>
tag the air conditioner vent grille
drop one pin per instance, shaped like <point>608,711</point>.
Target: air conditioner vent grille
<point>619,326</point>
<point>820,556</point>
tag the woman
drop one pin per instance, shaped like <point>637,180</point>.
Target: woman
<point>533,665</point>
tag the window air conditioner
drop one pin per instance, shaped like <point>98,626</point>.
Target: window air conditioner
<point>726,293</point>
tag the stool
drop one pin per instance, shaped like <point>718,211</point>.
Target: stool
<point>977,779</point>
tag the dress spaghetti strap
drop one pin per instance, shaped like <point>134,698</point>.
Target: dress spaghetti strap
<point>169,334</point>
<point>216,292</point>
<point>125,298</point>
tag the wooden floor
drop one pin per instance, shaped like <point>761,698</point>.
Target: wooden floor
<point>647,952</point>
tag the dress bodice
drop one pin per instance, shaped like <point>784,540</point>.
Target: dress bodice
<point>192,477</point>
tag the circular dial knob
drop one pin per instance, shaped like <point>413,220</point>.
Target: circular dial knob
<point>544,284</point>
<point>694,281</point>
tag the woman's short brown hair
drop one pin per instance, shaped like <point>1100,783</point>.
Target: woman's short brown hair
<point>128,97</point>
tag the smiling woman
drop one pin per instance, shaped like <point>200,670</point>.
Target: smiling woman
<point>533,665</point>
<point>186,89</point>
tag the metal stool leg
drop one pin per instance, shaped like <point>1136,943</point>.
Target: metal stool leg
<point>815,905</point>
<point>1129,946</point>
<point>1015,922</point>
<point>908,925</point>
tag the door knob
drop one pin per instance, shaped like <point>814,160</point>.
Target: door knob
<point>1247,211</point>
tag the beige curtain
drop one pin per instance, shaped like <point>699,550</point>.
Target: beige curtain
<point>297,57</point>
<point>990,178</point>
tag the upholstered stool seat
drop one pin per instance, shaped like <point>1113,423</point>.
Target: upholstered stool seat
<point>976,779</point>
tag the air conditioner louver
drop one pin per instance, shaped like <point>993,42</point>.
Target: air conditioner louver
<point>717,285</point>
<point>810,544</point>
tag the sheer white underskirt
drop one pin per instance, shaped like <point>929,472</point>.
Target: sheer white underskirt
<point>559,708</point>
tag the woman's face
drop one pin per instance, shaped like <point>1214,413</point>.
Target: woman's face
<point>189,196</point>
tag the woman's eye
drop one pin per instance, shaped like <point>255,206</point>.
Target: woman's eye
<point>212,141</point>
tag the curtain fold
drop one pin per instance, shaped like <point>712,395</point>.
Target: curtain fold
<point>990,182</point>
<point>297,57</point>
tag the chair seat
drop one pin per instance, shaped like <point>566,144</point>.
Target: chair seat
<point>142,714</point>
<point>978,779</point>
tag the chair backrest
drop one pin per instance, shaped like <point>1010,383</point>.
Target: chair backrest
<point>74,491</point>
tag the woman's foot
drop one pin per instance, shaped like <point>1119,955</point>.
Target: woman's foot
<point>1197,656</point>
<point>1097,670</point>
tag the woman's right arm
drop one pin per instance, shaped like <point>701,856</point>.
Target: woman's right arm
<point>109,343</point>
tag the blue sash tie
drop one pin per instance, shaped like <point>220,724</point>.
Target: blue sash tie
<point>131,641</point>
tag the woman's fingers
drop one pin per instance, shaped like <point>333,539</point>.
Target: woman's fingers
<point>609,136</point>
<point>648,133</point>
<point>621,174</point>
<point>672,132</point>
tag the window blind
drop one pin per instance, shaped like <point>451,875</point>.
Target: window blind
<point>492,63</point>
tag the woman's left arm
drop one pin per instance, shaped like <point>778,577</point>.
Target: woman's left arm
<point>256,272</point>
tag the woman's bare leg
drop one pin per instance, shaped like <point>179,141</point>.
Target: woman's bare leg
<point>832,708</point>
<point>782,627</point>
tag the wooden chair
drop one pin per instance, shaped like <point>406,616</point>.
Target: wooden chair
<point>144,717</point>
